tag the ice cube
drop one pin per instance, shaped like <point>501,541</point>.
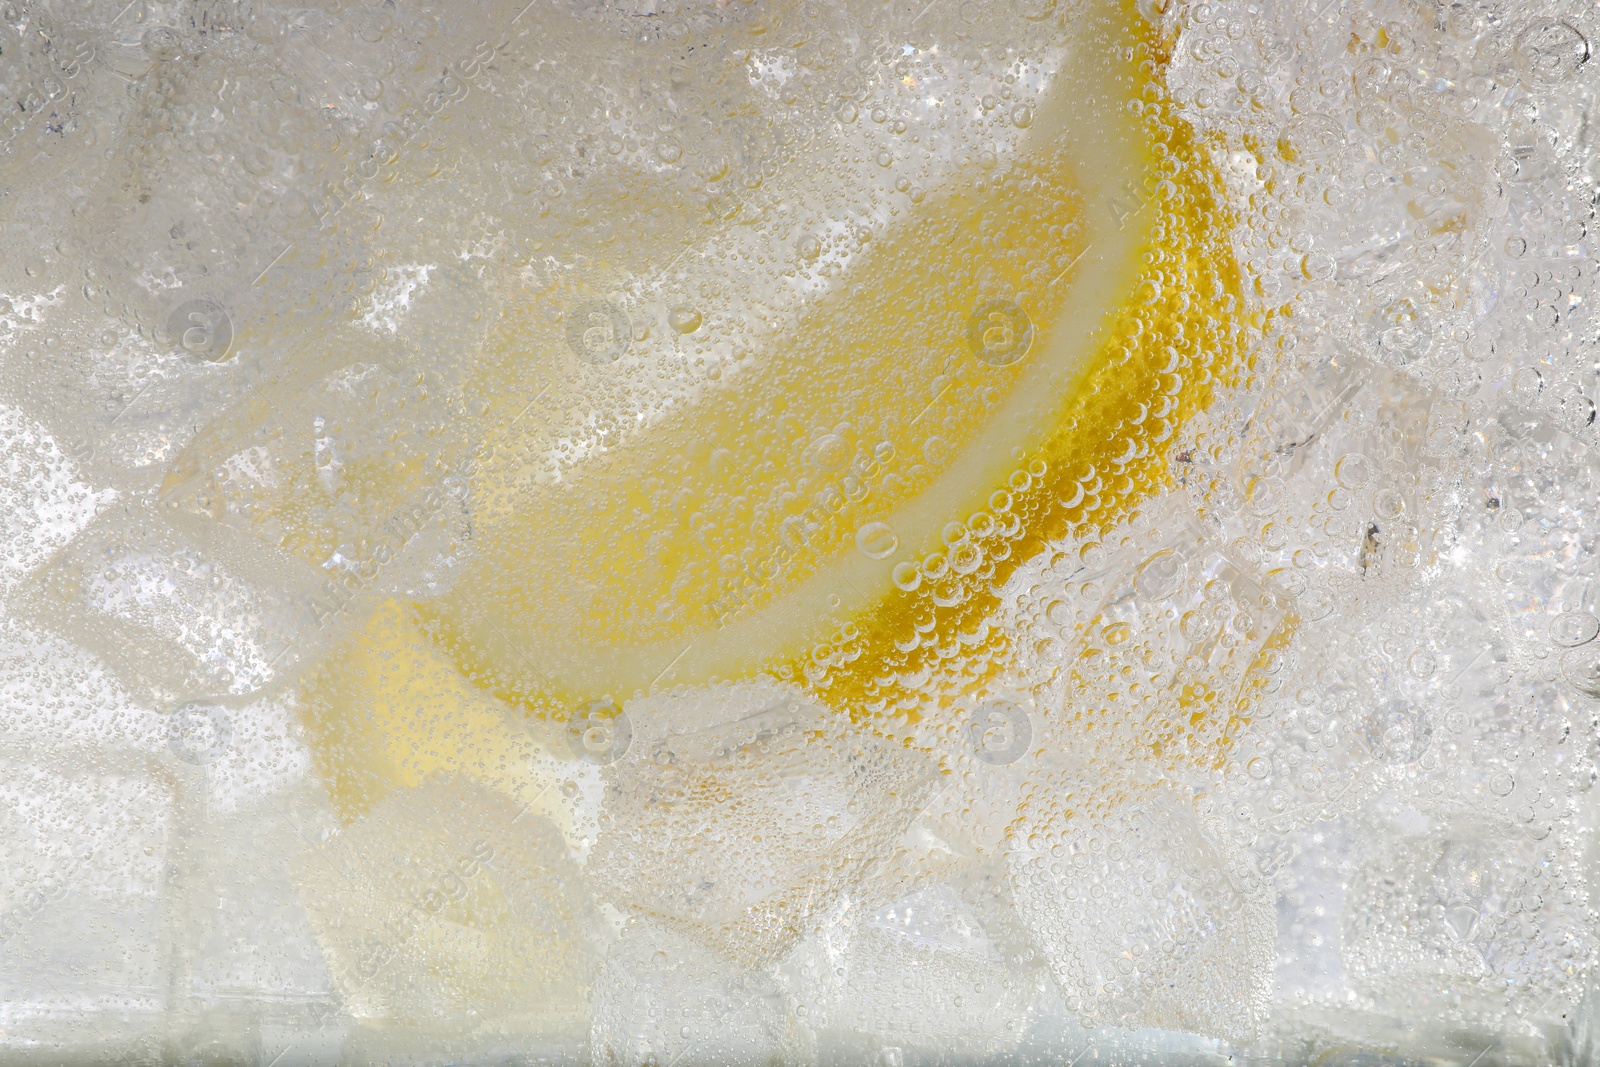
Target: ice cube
<point>449,901</point>
<point>921,973</point>
<point>1144,918</point>
<point>317,466</point>
<point>1464,914</point>
<point>88,843</point>
<point>246,928</point>
<point>43,502</point>
<point>664,998</point>
<point>744,811</point>
<point>179,611</point>
<point>1157,650</point>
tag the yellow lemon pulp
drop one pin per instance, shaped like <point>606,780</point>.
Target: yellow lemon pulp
<point>1006,365</point>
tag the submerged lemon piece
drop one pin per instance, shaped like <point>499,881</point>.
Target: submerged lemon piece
<point>1007,364</point>
<point>388,711</point>
<point>1013,353</point>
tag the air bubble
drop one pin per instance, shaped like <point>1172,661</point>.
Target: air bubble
<point>1554,50</point>
<point>876,540</point>
<point>1573,628</point>
<point>161,43</point>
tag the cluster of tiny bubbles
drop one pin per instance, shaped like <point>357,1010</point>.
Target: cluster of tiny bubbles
<point>1407,473</point>
<point>421,423</point>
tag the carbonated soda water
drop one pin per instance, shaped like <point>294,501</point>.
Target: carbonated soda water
<point>799,531</point>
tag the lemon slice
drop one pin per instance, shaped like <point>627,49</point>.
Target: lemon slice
<point>1007,361</point>
<point>1006,365</point>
